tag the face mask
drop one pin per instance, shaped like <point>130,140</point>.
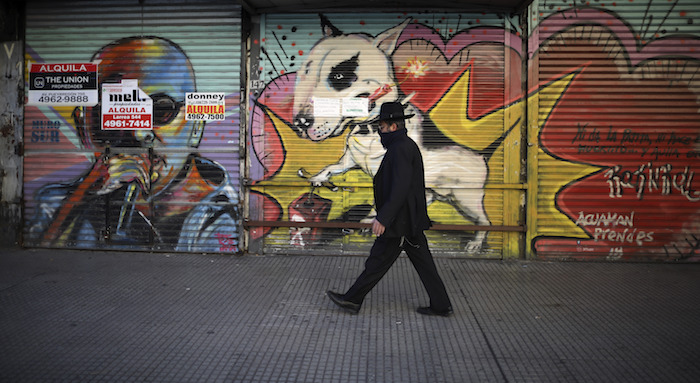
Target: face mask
<point>387,137</point>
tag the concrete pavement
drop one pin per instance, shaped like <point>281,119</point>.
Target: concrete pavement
<point>90,316</point>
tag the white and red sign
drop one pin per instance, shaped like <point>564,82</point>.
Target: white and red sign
<point>201,106</point>
<point>126,107</point>
<point>71,84</point>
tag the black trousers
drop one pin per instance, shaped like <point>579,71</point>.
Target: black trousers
<point>384,253</point>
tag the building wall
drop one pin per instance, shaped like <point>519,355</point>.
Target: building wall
<point>614,156</point>
<point>565,132</point>
<point>460,74</point>
<point>171,185</point>
<point>609,106</point>
<point>11,116</point>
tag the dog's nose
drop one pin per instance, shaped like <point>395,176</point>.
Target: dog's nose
<point>303,121</point>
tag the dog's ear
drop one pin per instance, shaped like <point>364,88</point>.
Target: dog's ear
<point>386,41</point>
<point>328,29</point>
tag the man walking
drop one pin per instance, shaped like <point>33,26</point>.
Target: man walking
<point>402,216</point>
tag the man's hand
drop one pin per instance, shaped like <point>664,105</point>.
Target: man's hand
<point>377,228</point>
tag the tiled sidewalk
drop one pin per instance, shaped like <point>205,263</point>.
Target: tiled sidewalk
<point>84,316</point>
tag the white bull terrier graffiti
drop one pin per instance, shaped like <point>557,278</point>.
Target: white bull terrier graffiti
<point>357,65</point>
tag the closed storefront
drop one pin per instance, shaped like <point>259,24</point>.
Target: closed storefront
<point>550,131</point>
<point>132,125</point>
<point>614,162</point>
<point>318,81</point>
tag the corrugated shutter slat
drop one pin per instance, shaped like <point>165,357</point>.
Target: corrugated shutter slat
<point>180,208</point>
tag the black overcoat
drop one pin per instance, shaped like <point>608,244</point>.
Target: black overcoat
<point>399,187</point>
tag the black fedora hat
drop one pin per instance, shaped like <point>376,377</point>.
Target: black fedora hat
<point>392,111</point>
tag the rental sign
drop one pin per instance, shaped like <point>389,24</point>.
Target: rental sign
<point>71,84</point>
<point>126,107</point>
<point>201,106</point>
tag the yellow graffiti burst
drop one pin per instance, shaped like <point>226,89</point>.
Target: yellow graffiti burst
<point>312,156</point>
<point>549,220</point>
<point>450,116</point>
<point>286,185</point>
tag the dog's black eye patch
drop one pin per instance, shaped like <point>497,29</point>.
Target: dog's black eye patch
<point>343,74</point>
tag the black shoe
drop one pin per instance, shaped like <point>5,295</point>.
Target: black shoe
<point>431,311</point>
<point>352,308</point>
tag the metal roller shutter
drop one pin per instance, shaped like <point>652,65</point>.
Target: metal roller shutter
<point>617,139</point>
<point>173,187</point>
<point>451,70</point>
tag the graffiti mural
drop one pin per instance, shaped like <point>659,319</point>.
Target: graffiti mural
<point>610,109</point>
<point>130,189</point>
<point>625,136</point>
<point>452,81</point>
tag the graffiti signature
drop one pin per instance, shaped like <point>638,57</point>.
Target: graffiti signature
<point>650,178</point>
